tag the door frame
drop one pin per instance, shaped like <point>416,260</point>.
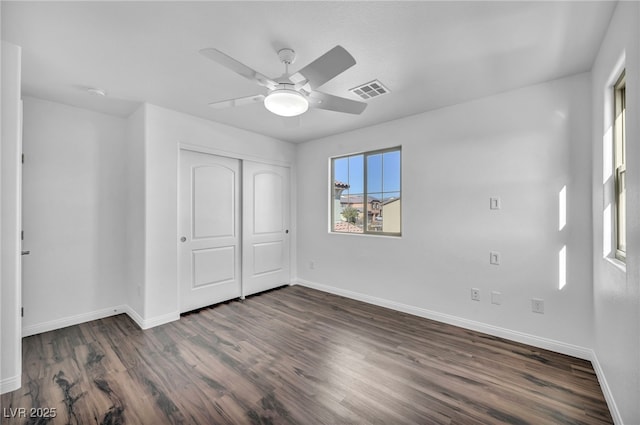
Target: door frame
<point>11,219</point>
<point>242,157</point>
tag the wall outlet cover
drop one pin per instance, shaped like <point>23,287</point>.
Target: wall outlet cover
<point>475,294</point>
<point>496,297</point>
<point>537,305</point>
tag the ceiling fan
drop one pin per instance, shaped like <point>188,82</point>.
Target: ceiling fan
<point>293,94</point>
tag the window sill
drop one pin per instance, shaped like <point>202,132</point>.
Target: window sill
<point>368,235</point>
<point>620,265</point>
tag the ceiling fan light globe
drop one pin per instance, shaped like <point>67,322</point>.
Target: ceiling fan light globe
<point>286,103</point>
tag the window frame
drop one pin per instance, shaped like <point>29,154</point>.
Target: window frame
<point>619,165</point>
<point>365,194</point>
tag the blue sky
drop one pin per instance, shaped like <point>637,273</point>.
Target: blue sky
<point>383,170</point>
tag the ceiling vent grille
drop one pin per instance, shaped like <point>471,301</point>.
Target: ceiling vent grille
<point>371,89</point>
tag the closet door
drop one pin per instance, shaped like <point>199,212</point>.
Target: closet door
<point>265,254</point>
<point>209,246</point>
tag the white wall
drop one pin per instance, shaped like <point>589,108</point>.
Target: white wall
<point>10,149</point>
<point>616,291</point>
<point>74,197</point>
<point>100,209</point>
<point>165,131</point>
<point>523,146</point>
<point>134,158</point>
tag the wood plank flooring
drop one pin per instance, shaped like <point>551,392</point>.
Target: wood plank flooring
<point>296,356</point>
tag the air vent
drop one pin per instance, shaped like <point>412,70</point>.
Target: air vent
<point>371,89</point>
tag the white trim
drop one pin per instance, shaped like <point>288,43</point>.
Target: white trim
<point>536,341</point>
<point>616,263</point>
<point>72,320</point>
<point>10,384</point>
<point>231,154</point>
<point>606,390</point>
<point>152,322</point>
<point>134,316</point>
<point>99,314</point>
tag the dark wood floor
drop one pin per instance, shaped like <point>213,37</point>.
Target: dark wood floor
<point>297,356</point>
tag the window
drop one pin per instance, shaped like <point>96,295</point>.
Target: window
<point>366,193</point>
<point>619,158</point>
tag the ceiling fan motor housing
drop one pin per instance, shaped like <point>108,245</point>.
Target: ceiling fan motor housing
<point>287,56</point>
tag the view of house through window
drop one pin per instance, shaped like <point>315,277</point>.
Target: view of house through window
<point>366,196</point>
<point>619,155</point>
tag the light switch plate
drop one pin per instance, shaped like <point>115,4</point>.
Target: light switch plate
<point>494,258</point>
<point>494,203</point>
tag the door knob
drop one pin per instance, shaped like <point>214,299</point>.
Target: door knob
<point>183,239</point>
<point>26,252</point>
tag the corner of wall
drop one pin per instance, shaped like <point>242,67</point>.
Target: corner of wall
<point>606,390</point>
<point>10,384</point>
<point>147,323</point>
<point>136,211</point>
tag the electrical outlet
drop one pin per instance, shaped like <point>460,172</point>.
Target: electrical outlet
<point>475,294</point>
<point>537,305</point>
<point>496,297</point>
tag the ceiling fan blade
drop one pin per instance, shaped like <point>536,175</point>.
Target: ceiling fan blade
<point>323,69</point>
<point>241,101</point>
<point>330,102</point>
<point>238,67</point>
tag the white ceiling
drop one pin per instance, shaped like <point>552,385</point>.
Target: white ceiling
<point>429,54</point>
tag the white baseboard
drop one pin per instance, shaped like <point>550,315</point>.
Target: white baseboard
<point>10,384</point>
<point>535,341</point>
<point>606,390</point>
<point>152,322</point>
<point>72,320</point>
<point>135,316</point>
<point>99,314</point>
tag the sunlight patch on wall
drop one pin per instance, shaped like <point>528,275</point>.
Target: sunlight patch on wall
<point>562,267</point>
<point>562,208</point>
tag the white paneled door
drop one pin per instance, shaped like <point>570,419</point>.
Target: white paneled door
<point>265,234</point>
<point>210,225</point>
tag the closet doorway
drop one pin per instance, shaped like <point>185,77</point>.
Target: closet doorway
<point>234,228</point>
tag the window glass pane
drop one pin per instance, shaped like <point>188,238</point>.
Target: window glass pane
<point>620,167</point>
<point>621,208</point>
<point>341,170</point>
<point>374,173</point>
<point>356,174</point>
<point>391,171</point>
<point>352,213</point>
<point>359,209</point>
<point>390,214</point>
<point>374,206</point>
